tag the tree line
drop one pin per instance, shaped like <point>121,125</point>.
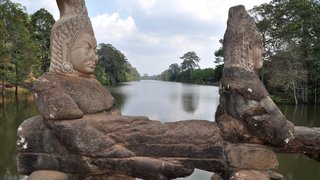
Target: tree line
<point>25,49</point>
<point>189,71</point>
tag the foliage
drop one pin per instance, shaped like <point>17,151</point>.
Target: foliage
<point>4,60</point>
<point>113,66</point>
<point>41,24</point>
<point>203,76</point>
<point>186,72</point>
<point>18,44</point>
<point>219,53</point>
<point>190,61</point>
<point>291,36</point>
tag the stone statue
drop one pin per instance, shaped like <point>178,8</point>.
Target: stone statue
<point>242,43</point>
<point>242,95</point>
<point>91,142</point>
<point>69,90</point>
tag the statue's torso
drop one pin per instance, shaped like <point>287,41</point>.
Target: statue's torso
<point>70,93</point>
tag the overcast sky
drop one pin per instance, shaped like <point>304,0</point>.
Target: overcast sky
<point>154,33</point>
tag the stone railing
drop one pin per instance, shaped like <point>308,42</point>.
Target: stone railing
<point>80,136</point>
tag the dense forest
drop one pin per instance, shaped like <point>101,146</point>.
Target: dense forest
<point>25,50</point>
<point>291,36</point>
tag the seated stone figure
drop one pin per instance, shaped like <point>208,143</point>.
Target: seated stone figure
<point>69,90</point>
<point>243,96</point>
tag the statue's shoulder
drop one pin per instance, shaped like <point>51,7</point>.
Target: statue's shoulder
<point>46,81</point>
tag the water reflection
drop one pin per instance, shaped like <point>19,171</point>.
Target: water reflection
<point>167,101</point>
<point>302,115</point>
<point>12,114</point>
<point>190,102</point>
<point>297,167</point>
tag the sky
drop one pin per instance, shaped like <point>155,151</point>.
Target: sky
<point>153,34</point>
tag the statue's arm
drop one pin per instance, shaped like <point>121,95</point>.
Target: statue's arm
<point>53,103</point>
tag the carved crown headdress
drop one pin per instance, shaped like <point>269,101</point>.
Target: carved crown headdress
<point>240,38</point>
<point>73,21</point>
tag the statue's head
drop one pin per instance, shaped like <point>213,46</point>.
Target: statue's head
<point>73,45</point>
<point>242,42</point>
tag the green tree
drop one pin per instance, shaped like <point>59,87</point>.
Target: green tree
<point>42,22</point>
<point>190,62</point>
<point>4,60</point>
<point>18,42</point>
<point>219,53</point>
<point>218,73</point>
<point>102,76</point>
<point>165,75</point>
<point>174,70</point>
<point>291,35</point>
<point>113,66</point>
<point>203,76</point>
<point>133,74</point>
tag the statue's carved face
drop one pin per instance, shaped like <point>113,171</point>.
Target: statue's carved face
<point>82,54</point>
<point>257,55</point>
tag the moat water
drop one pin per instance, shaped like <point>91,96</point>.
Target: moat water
<point>164,101</point>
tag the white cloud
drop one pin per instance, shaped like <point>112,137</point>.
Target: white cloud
<point>146,4</point>
<point>151,53</point>
<point>112,27</point>
<point>203,9</point>
<point>133,5</point>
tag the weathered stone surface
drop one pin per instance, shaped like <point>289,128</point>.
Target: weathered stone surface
<point>255,175</point>
<point>306,141</point>
<point>262,118</point>
<point>105,144</point>
<point>138,136</point>
<point>242,43</point>
<point>35,136</point>
<point>69,90</point>
<point>70,96</point>
<point>233,130</point>
<point>242,95</point>
<point>250,156</point>
<point>216,177</point>
<point>48,175</point>
<point>116,177</point>
<point>249,87</point>
<point>249,175</point>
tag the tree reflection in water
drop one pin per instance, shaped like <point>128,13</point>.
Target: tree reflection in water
<point>12,114</point>
<point>190,102</point>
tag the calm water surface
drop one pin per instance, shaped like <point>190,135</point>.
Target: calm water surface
<point>164,101</point>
